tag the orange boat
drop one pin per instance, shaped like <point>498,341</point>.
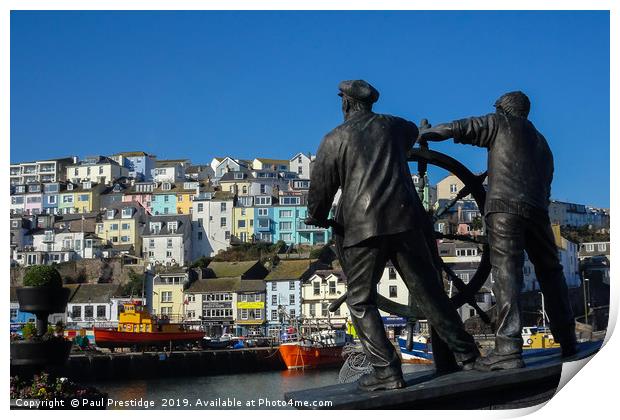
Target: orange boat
<point>136,327</point>
<point>323,349</point>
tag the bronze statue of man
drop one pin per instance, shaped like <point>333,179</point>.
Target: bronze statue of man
<point>383,219</point>
<point>520,171</point>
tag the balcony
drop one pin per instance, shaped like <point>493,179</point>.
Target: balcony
<point>302,227</point>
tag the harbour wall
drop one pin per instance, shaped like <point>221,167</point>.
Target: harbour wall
<point>115,366</point>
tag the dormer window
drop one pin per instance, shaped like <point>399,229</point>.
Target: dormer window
<point>69,187</point>
<point>166,186</point>
<point>127,212</point>
<point>109,214</point>
<point>238,175</point>
<point>86,185</point>
<point>172,226</point>
<point>155,228</point>
<point>117,188</point>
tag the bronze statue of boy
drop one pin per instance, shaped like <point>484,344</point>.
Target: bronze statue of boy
<point>520,171</point>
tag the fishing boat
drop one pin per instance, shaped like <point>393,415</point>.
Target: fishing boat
<point>136,327</point>
<point>421,351</point>
<point>319,349</point>
<point>536,341</point>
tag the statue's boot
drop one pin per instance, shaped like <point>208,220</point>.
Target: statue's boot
<point>495,361</point>
<point>381,379</point>
<point>569,350</point>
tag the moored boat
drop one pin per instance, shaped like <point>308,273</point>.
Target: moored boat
<point>320,349</point>
<point>137,328</point>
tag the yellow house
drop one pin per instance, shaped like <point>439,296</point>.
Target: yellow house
<point>168,299</point>
<point>270,164</point>
<point>80,198</point>
<point>121,224</point>
<point>243,223</point>
<point>96,168</point>
<point>184,201</point>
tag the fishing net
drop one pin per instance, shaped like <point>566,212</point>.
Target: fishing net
<point>355,365</point>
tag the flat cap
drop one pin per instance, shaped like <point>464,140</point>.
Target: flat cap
<point>359,90</point>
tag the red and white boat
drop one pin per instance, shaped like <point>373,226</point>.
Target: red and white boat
<point>137,328</point>
<point>320,349</point>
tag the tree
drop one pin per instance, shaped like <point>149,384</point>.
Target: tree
<point>134,286</point>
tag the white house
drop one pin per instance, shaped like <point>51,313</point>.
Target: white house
<point>212,218</point>
<point>323,288</point>
<point>168,171</point>
<point>167,240</point>
<point>300,164</point>
<point>91,304</point>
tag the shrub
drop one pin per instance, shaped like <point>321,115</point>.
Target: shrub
<point>29,330</point>
<point>42,276</point>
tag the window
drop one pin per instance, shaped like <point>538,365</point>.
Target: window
<point>114,226</point>
<point>274,315</point>
<point>263,201</point>
<point>69,199</point>
<point>172,227</point>
<point>274,299</point>
<point>464,277</point>
<point>125,226</point>
<point>291,299</point>
<point>263,189</point>
<point>101,170</point>
<point>166,297</point>
<point>291,285</point>
<point>200,236</point>
<point>222,206</point>
<point>168,254</point>
<point>109,214</point>
<point>100,311</point>
<point>286,237</point>
<point>393,292</point>
<point>602,247</point>
<point>169,243</point>
<point>258,313</point>
<point>286,225</point>
<point>127,212</point>
<point>76,312</point>
<point>200,207</point>
<point>316,288</point>
<point>125,238</point>
<point>262,212</point>
<point>392,273</point>
<point>238,175</point>
<point>274,286</point>
<point>589,247</point>
<point>83,197</point>
<point>51,199</point>
<point>244,314</point>
<point>88,311</point>
<point>324,308</point>
<point>453,188</point>
<point>291,201</point>
<point>227,235</point>
<point>292,313</point>
<point>286,213</point>
<point>332,287</point>
<point>241,224</point>
<point>222,222</point>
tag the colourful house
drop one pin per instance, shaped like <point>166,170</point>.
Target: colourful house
<point>164,199</point>
<point>243,224</point>
<point>121,226</point>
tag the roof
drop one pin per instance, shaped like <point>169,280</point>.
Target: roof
<point>290,270</point>
<point>90,160</point>
<point>226,284</point>
<point>184,225</point>
<point>232,268</point>
<point>251,286</point>
<point>267,160</point>
<point>95,293</point>
<point>131,154</point>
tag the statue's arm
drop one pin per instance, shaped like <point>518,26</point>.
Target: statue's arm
<point>437,133</point>
<point>324,181</point>
<point>477,131</point>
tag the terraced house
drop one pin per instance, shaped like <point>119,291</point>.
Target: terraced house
<point>167,240</point>
<point>99,169</point>
<point>80,198</point>
<point>212,217</point>
<point>121,226</point>
<point>40,171</point>
<point>139,164</point>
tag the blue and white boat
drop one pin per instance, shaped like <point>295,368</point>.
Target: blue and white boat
<point>421,353</point>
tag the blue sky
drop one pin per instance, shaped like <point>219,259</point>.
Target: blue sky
<point>203,84</point>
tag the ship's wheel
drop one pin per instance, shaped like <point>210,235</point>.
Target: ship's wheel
<point>473,185</point>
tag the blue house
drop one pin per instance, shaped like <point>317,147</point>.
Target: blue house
<point>264,222</point>
<point>164,199</point>
<point>140,164</point>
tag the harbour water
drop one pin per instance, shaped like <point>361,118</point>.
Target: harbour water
<point>264,390</point>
